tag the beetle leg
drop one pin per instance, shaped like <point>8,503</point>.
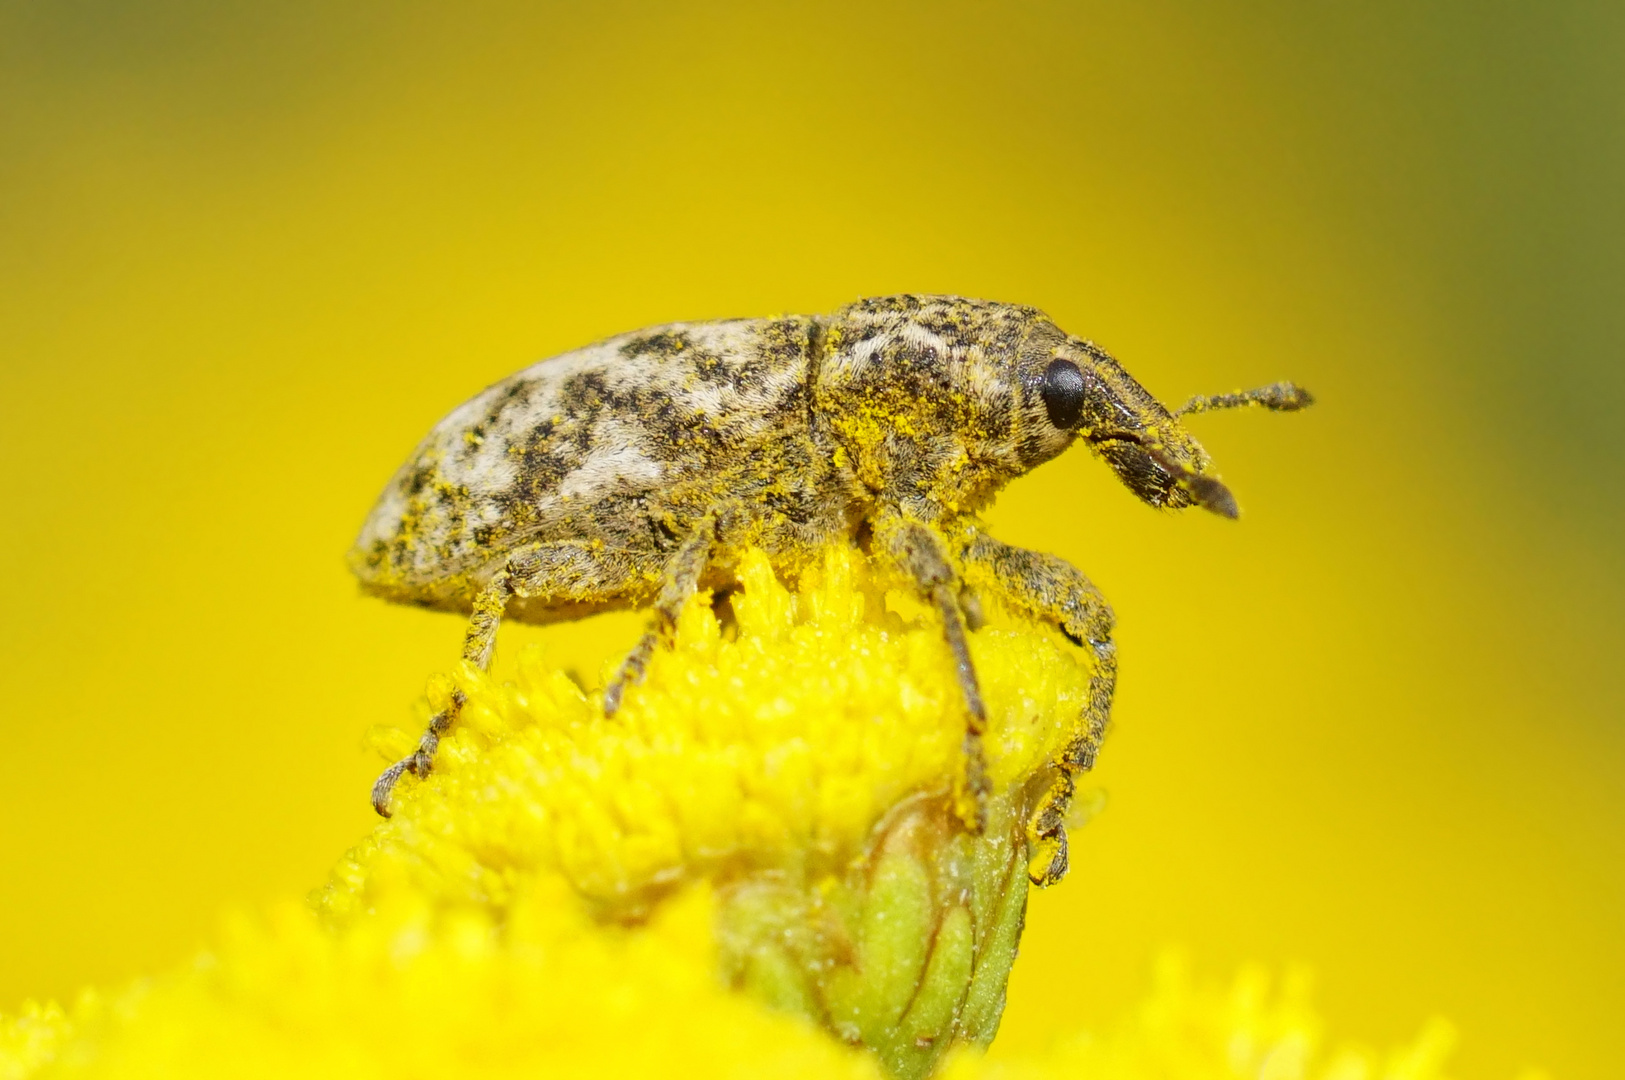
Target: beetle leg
<point>478,643</point>
<point>568,570</point>
<point>679,579</point>
<point>920,552</point>
<point>1049,589</point>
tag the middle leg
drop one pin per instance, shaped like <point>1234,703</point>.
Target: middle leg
<point>680,578</point>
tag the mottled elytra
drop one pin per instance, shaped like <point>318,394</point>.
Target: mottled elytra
<point>633,472</point>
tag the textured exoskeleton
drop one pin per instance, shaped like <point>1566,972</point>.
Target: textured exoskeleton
<point>634,472</point>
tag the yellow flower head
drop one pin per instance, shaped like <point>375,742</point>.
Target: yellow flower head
<point>756,867</point>
<point>797,755</point>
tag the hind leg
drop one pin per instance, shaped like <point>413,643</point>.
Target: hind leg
<point>1048,589</point>
<point>568,571</point>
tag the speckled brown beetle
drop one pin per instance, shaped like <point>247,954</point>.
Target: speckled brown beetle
<point>634,471</point>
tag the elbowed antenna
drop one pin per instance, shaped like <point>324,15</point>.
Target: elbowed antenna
<point>1277,397</point>
<point>1208,491</point>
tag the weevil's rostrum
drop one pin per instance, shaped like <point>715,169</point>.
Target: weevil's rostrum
<point>635,472</point>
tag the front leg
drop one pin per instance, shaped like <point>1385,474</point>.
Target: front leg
<point>921,553</point>
<point>1049,589</point>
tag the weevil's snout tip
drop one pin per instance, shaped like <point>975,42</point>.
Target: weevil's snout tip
<point>1181,485</point>
<point>1211,494</point>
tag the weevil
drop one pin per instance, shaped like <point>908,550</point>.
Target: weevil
<point>633,472</point>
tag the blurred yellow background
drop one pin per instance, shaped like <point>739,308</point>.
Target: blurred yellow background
<point>250,253</point>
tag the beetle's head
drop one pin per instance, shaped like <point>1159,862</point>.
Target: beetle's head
<point>1075,390</point>
<point>943,399</point>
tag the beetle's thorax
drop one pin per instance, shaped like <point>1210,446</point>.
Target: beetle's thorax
<point>919,401</point>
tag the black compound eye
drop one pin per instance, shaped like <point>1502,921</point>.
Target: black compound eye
<point>1063,393</point>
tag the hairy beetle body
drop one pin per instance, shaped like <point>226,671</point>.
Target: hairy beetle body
<point>623,445</point>
<point>635,471</point>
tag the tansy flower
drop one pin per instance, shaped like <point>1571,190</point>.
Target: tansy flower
<point>754,869</point>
